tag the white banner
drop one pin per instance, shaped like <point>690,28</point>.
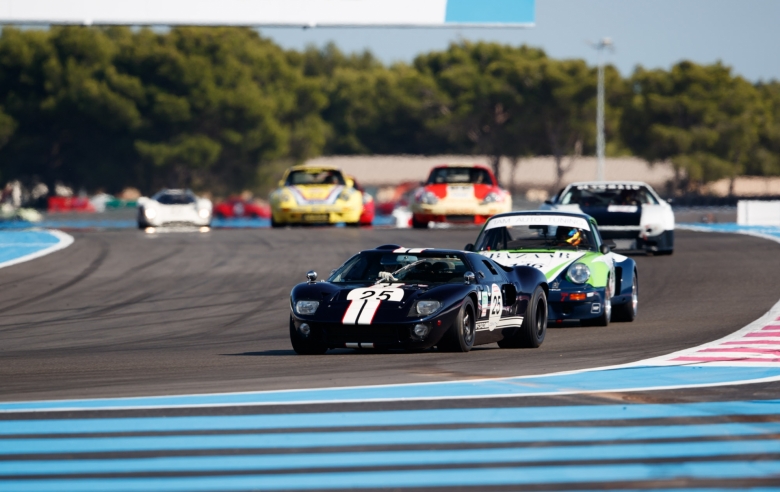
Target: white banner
<point>518,13</point>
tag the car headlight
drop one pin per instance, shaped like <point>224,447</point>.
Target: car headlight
<point>426,308</point>
<point>150,213</point>
<point>428,198</point>
<point>306,307</point>
<point>283,196</point>
<point>346,194</point>
<point>492,197</point>
<point>579,273</point>
<point>204,213</point>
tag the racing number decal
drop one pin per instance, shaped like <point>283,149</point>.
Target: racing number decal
<point>365,302</point>
<point>496,305</point>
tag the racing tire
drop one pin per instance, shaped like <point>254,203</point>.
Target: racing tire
<point>460,337</point>
<point>418,225</point>
<point>606,311</point>
<point>276,224</point>
<point>303,346</point>
<point>666,252</point>
<point>534,328</point>
<point>626,313</point>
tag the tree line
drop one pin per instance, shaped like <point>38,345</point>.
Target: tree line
<point>224,109</point>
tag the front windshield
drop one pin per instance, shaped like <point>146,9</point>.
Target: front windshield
<point>416,268</point>
<point>536,233</point>
<point>315,177</point>
<point>459,175</point>
<point>168,198</point>
<point>608,194</point>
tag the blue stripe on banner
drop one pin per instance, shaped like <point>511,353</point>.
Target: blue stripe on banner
<point>388,458</point>
<point>491,12</point>
<point>377,438</point>
<point>620,379</point>
<point>390,418</point>
<point>413,478</point>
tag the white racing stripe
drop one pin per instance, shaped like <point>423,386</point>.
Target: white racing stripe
<point>365,303</point>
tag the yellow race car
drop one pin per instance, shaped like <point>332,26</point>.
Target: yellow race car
<point>315,195</point>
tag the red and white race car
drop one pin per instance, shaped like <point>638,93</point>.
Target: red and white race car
<point>461,194</point>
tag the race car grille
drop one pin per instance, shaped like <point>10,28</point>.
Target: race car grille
<point>465,219</point>
<point>382,334</point>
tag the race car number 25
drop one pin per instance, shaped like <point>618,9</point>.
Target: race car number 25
<point>365,302</point>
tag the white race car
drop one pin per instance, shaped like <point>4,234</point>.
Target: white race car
<point>629,213</point>
<point>172,208</point>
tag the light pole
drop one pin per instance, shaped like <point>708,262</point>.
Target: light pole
<point>604,43</point>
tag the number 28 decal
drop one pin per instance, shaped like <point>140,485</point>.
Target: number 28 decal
<point>365,302</point>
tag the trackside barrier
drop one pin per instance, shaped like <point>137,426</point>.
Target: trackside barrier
<point>754,212</point>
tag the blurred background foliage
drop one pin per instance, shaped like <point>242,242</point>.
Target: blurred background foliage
<point>224,109</point>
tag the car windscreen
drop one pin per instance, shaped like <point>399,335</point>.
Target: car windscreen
<point>459,175</point>
<point>315,177</point>
<point>175,198</point>
<point>606,195</point>
<point>406,268</point>
<point>536,234</point>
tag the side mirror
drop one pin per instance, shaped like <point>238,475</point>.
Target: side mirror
<point>311,276</point>
<point>669,200</point>
<point>607,246</point>
<point>281,183</point>
<point>469,247</point>
<point>470,278</point>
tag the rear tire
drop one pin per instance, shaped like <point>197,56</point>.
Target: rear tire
<point>305,346</point>
<point>626,313</point>
<point>276,224</point>
<point>460,337</point>
<point>534,328</point>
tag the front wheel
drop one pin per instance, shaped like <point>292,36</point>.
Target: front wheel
<point>531,333</point>
<point>276,224</point>
<point>627,312</point>
<point>606,309</point>
<point>416,224</point>
<point>305,346</point>
<point>460,336</point>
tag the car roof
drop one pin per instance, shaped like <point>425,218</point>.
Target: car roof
<point>394,248</point>
<point>543,212</point>
<point>474,166</point>
<point>307,167</point>
<point>596,183</point>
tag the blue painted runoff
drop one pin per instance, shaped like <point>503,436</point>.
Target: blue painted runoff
<point>577,413</point>
<point>736,228</point>
<point>186,464</point>
<point>490,12</point>
<point>71,445</point>
<point>413,478</point>
<point>619,379</point>
<point>17,244</point>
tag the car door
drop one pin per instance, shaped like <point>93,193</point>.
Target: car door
<point>490,305</point>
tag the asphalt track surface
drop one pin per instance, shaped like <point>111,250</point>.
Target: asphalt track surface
<point>123,313</point>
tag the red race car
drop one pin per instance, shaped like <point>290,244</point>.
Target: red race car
<point>460,193</point>
<point>237,207</point>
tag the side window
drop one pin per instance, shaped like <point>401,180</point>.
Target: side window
<point>597,234</point>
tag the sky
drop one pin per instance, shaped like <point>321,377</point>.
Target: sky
<point>743,34</point>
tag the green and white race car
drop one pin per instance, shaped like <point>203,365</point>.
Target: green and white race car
<point>587,282</point>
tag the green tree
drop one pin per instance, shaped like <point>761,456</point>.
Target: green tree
<point>701,118</point>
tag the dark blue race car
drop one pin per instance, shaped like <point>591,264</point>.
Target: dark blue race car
<point>393,297</point>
